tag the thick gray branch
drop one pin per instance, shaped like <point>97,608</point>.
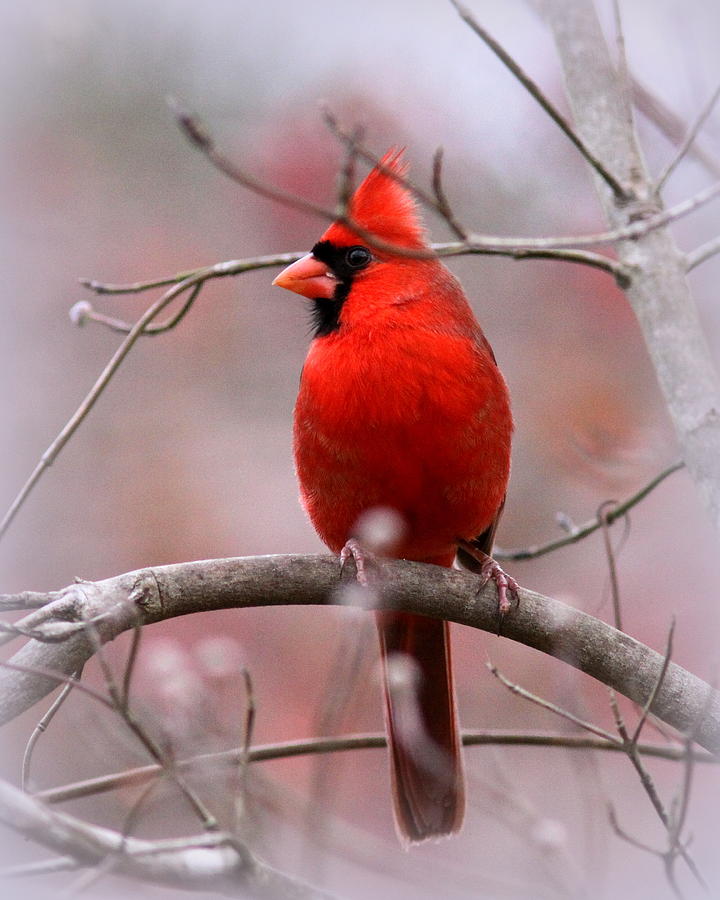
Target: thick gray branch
<point>658,289</point>
<point>548,625</point>
<point>211,862</point>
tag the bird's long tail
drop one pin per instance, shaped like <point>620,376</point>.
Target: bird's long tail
<point>422,726</point>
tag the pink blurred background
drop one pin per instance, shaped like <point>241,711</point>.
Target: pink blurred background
<point>188,453</point>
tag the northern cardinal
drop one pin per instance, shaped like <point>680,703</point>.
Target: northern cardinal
<point>402,406</point>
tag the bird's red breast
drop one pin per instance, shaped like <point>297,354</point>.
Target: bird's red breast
<point>402,406</point>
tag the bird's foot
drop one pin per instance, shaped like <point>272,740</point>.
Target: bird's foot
<point>364,560</point>
<point>507,587</point>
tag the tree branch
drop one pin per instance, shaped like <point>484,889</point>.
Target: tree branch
<point>671,124</point>
<point>658,292</point>
<point>544,102</point>
<point>225,759</point>
<point>688,140</point>
<point>210,862</point>
<point>164,592</point>
<point>702,253</point>
<point>578,532</point>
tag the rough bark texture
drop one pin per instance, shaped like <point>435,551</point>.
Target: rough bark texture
<point>209,862</point>
<point>658,290</point>
<point>152,595</point>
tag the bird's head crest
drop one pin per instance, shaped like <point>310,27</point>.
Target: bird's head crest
<point>384,206</point>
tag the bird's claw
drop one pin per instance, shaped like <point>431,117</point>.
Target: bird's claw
<point>364,559</point>
<point>507,587</point>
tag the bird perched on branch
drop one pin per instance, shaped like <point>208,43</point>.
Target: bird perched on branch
<point>402,407</point>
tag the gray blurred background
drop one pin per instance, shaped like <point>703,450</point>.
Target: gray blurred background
<point>188,453</point>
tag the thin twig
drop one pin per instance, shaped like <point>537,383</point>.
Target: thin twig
<point>189,283</point>
<point>83,311</point>
<point>352,743</point>
<point>619,271</point>
<point>346,181</point>
<point>201,139</point>
<point>476,242</point>
<point>219,270</point>
<point>578,532</point>
<point>621,833</point>
<point>42,725</point>
<point>702,253</point>
<point>42,867</point>
<point>552,707</point>
<point>671,124</point>
<point>244,760</point>
<point>650,789</point>
<point>678,819</point>
<point>105,866</point>
<point>347,137</point>
<point>23,600</point>
<point>97,389</point>
<point>153,748</point>
<point>642,226</point>
<point>522,248</point>
<point>645,778</point>
<point>689,139</point>
<point>130,665</point>
<point>543,101</point>
<point>623,68</point>
<point>54,675</point>
<point>602,517</point>
<point>441,197</point>
<point>656,687</point>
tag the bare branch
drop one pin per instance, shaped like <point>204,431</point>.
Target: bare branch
<point>200,137</point>
<point>41,727</point>
<point>244,758</point>
<point>83,311</point>
<point>210,862</point>
<point>220,270</point>
<point>659,293</point>
<point>675,848</point>
<point>645,779</point>
<point>347,138</point>
<point>544,102</point>
<point>441,197</point>
<point>346,181</point>
<point>547,625</point>
<point>206,762</point>
<point>670,124</point>
<point>623,69</point>
<point>97,389</point>
<point>119,698</point>
<point>602,516</point>
<point>23,600</point>
<point>689,140</point>
<point>202,140</point>
<point>578,532</point>
<point>656,687</point>
<point>628,838</point>
<point>553,707</point>
<point>644,221</point>
<point>702,253</point>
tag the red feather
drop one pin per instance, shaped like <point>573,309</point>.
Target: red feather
<point>401,405</point>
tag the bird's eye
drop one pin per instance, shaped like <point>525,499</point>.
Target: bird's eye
<point>358,257</point>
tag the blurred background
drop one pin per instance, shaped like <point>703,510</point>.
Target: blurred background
<point>188,453</point>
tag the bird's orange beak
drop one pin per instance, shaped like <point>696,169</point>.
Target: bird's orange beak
<point>309,277</point>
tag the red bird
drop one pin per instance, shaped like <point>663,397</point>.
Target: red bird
<point>402,406</point>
